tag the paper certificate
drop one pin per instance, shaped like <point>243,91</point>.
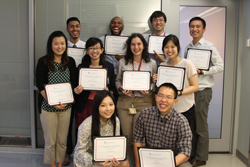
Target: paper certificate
<point>174,75</point>
<point>200,58</point>
<point>155,43</point>
<point>93,78</point>
<point>156,157</point>
<point>110,147</point>
<point>59,93</point>
<point>77,54</point>
<point>115,44</point>
<point>136,80</point>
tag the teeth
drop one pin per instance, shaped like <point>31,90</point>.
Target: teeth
<point>162,105</point>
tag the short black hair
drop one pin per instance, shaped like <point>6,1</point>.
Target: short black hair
<point>198,18</point>
<point>72,19</point>
<point>168,85</point>
<point>172,38</point>
<point>156,14</point>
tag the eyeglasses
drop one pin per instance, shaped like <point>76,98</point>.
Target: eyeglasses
<point>92,49</point>
<point>158,20</point>
<point>168,97</point>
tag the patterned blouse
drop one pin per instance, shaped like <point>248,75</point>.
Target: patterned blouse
<point>83,155</point>
<point>56,77</point>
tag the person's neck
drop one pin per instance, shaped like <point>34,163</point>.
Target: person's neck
<point>174,61</point>
<point>104,121</point>
<point>158,33</point>
<point>74,41</point>
<point>195,40</point>
<point>137,59</point>
<point>57,59</point>
<point>95,63</point>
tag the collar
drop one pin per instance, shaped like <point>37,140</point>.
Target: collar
<point>167,117</point>
<point>108,123</point>
<point>200,42</point>
<point>163,34</point>
<point>71,44</point>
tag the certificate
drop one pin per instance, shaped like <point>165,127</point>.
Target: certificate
<point>59,93</point>
<point>174,75</point>
<point>110,147</point>
<point>77,54</point>
<point>93,78</point>
<point>156,157</point>
<point>136,80</point>
<point>155,43</point>
<point>200,58</point>
<point>115,44</point>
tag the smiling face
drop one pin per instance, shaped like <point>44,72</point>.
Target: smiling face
<point>165,100</point>
<point>74,29</point>
<point>116,26</point>
<point>136,46</point>
<point>58,46</point>
<point>196,29</point>
<point>106,109</point>
<point>171,50</point>
<point>158,24</point>
<point>94,51</point>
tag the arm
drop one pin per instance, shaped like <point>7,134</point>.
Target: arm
<point>41,75</point>
<point>137,162</point>
<point>159,58</point>
<point>111,75</point>
<point>180,158</point>
<point>194,85</point>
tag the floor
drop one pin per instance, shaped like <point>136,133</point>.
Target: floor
<point>36,160</point>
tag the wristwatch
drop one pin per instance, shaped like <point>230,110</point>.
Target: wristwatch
<point>180,93</point>
<point>201,72</point>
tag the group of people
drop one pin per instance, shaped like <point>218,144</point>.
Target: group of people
<point>163,117</point>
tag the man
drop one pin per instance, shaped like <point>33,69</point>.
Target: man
<point>158,21</point>
<point>116,26</point>
<point>163,127</point>
<point>197,27</point>
<point>74,30</point>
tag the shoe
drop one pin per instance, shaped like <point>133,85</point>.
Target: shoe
<point>66,161</point>
<point>198,163</point>
<point>191,160</point>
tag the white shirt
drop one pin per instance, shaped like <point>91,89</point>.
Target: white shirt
<point>216,65</point>
<point>79,44</point>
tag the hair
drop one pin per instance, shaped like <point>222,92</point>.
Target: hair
<point>49,57</point>
<point>168,85</point>
<point>95,128</point>
<point>156,14</point>
<point>172,38</point>
<point>91,42</point>
<point>129,55</point>
<point>72,19</point>
<point>198,18</point>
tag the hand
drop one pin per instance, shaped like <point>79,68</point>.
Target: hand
<point>106,88</point>
<point>60,106</point>
<point>118,57</point>
<point>115,162</point>
<point>155,78</point>
<point>78,89</point>
<point>104,164</point>
<point>124,91</point>
<point>145,92</point>
<point>158,57</point>
<point>198,71</point>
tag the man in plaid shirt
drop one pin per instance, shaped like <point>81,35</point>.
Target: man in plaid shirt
<point>163,127</point>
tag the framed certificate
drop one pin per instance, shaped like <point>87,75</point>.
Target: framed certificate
<point>155,43</point>
<point>201,58</point>
<point>110,147</point>
<point>61,92</point>
<point>136,80</point>
<point>174,75</point>
<point>93,78</point>
<point>115,44</point>
<point>77,54</point>
<point>150,157</point>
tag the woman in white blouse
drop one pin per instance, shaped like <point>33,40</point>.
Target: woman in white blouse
<point>103,122</point>
<point>136,59</point>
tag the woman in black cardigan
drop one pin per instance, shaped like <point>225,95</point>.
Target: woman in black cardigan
<point>94,58</point>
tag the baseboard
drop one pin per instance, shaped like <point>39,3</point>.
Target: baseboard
<point>242,157</point>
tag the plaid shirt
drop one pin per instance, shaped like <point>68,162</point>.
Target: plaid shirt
<point>171,131</point>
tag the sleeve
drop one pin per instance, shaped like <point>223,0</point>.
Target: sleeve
<point>41,72</point>
<point>191,70</point>
<point>217,63</point>
<point>82,157</point>
<point>138,134</point>
<point>119,74</point>
<point>111,85</point>
<point>73,72</point>
<point>117,130</point>
<point>154,68</point>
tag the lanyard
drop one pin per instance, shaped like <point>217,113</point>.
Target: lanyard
<point>138,67</point>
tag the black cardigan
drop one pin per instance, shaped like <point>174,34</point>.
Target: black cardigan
<point>82,98</point>
<point>42,74</point>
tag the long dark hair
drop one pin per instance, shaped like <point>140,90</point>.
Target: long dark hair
<point>91,42</point>
<point>49,57</point>
<point>129,55</point>
<point>95,128</point>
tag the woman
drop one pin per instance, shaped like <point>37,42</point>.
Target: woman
<point>55,67</point>
<point>94,58</point>
<point>103,122</point>
<point>137,59</point>
<point>186,103</point>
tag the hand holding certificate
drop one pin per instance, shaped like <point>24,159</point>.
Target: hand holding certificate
<point>59,93</point>
<point>155,43</point>
<point>115,44</point>
<point>200,58</point>
<point>110,147</point>
<point>156,157</point>
<point>77,54</point>
<point>174,75</point>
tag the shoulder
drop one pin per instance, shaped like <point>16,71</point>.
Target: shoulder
<point>102,38</point>
<point>82,66</point>
<point>41,61</point>
<point>117,120</point>
<point>180,119</point>
<point>86,124</point>
<point>149,111</point>
<point>108,64</point>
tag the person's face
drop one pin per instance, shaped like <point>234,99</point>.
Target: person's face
<point>196,29</point>
<point>94,51</point>
<point>58,46</point>
<point>116,26</point>
<point>106,109</point>
<point>170,50</point>
<point>74,29</point>
<point>136,46</point>
<point>165,100</point>
<point>158,23</point>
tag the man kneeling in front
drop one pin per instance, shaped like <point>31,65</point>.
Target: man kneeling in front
<point>163,127</point>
